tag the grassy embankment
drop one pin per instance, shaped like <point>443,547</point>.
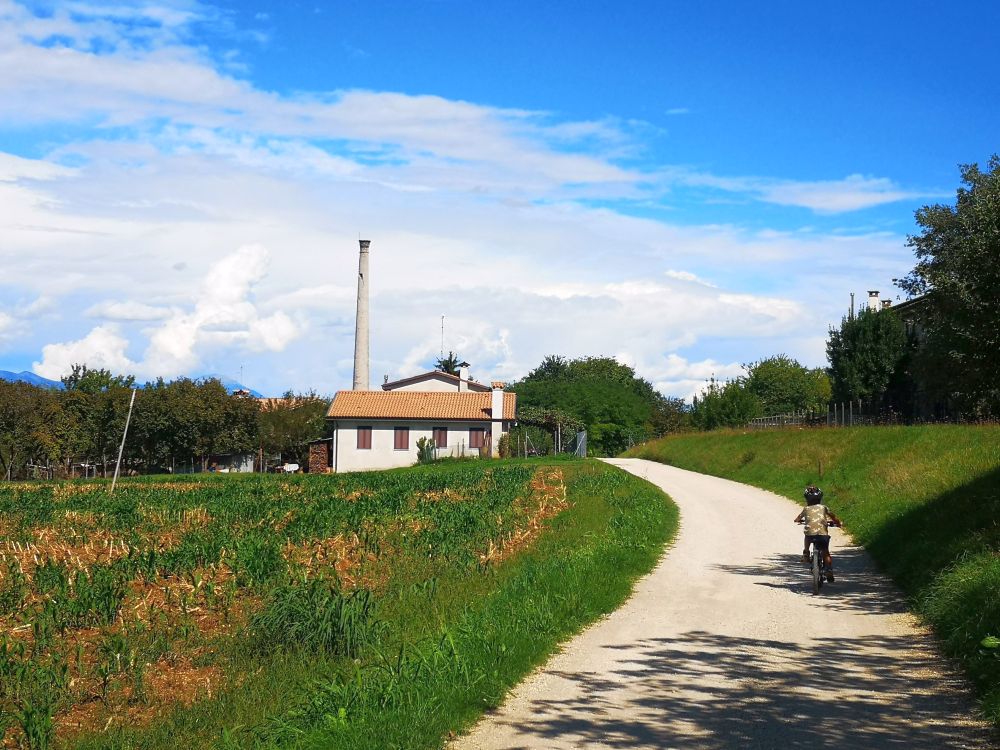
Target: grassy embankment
<point>369,610</point>
<point>924,501</point>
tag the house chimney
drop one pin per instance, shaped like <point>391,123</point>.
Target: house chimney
<point>463,376</point>
<point>886,304</point>
<point>873,300</point>
<point>496,415</point>
<point>361,323</point>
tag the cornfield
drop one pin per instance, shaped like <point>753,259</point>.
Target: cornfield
<point>114,609</point>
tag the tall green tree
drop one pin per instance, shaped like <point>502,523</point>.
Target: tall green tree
<point>96,402</point>
<point>868,355</point>
<point>784,386</point>
<point>958,271</point>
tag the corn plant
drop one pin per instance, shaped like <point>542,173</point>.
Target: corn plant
<point>314,615</point>
<point>13,589</point>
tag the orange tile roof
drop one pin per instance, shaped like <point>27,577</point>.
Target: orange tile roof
<point>418,405</point>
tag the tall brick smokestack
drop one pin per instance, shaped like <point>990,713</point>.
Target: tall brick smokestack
<point>361,324</point>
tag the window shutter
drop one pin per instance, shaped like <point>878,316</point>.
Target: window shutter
<point>364,438</point>
<point>476,437</point>
<point>402,438</point>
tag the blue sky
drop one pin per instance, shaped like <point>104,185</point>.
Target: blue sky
<point>687,186</point>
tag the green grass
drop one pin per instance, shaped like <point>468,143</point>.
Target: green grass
<point>924,501</point>
<point>424,632</point>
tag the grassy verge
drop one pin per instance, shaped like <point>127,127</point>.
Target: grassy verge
<point>365,611</point>
<point>924,501</point>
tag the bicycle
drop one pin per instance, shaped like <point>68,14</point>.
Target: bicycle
<point>817,563</point>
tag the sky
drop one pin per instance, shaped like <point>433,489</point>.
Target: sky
<point>685,186</point>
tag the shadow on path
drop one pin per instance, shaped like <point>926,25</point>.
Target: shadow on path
<point>707,691</point>
<point>858,588</point>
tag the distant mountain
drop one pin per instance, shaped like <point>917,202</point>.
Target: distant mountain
<point>29,377</point>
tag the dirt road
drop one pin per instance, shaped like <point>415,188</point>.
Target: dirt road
<point>723,645</point>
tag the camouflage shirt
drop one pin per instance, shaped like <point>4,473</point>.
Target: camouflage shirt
<point>815,517</point>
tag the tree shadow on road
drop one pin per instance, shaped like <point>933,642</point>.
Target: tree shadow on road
<point>705,691</point>
<point>858,588</point>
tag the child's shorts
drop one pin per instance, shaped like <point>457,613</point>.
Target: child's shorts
<point>822,541</point>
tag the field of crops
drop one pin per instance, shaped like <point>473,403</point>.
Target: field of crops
<point>261,611</point>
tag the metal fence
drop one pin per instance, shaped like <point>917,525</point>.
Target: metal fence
<point>855,413</point>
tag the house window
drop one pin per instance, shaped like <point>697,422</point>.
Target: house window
<point>364,438</point>
<point>402,439</point>
<point>441,437</point>
<point>477,437</point>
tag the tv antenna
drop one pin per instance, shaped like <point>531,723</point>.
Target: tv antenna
<point>442,337</point>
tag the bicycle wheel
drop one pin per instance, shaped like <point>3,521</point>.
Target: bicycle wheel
<point>817,571</point>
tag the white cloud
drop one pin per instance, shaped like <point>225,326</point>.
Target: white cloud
<point>686,276</point>
<point>127,311</point>
<point>7,326</point>
<point>475,213</point>
<point>835,196</point>
<point>103,347</point>
<point>118,72</point>
<point>851,193</point>
<point>167,79</point>
<point>14,168</point>
<point>223,316</point>
<point>516,282</point>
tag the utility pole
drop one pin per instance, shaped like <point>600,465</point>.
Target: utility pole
<point>121,447</point>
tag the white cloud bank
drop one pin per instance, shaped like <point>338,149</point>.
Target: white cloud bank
<point>223,316</point>
<point>475,212</point>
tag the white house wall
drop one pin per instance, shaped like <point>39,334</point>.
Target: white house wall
<point>383,454</point>
<point>437,384</point>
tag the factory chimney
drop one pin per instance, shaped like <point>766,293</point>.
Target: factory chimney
<point>361,324</point>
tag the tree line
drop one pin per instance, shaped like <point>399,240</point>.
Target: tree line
<point>606,398</point>
<point>176,426</point>
<point>937,356</point>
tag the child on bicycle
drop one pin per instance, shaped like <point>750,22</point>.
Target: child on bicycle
<point>817,519</point>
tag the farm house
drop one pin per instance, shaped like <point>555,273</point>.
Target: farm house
<point>380,429</point>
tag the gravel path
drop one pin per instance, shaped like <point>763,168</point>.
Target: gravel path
<point>723,645</point>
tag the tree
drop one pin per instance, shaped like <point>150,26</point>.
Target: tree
<point>671,415</point>
<point>784,386</point>
<point>28,427</point>
<point>289,423</point>
<point>552,367</point>
<point>958,271</point>
<point>724,405</point>
<point>867,356</point>
<point>86,380</point>
<point>617,407</point>
<point>448,364</point>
